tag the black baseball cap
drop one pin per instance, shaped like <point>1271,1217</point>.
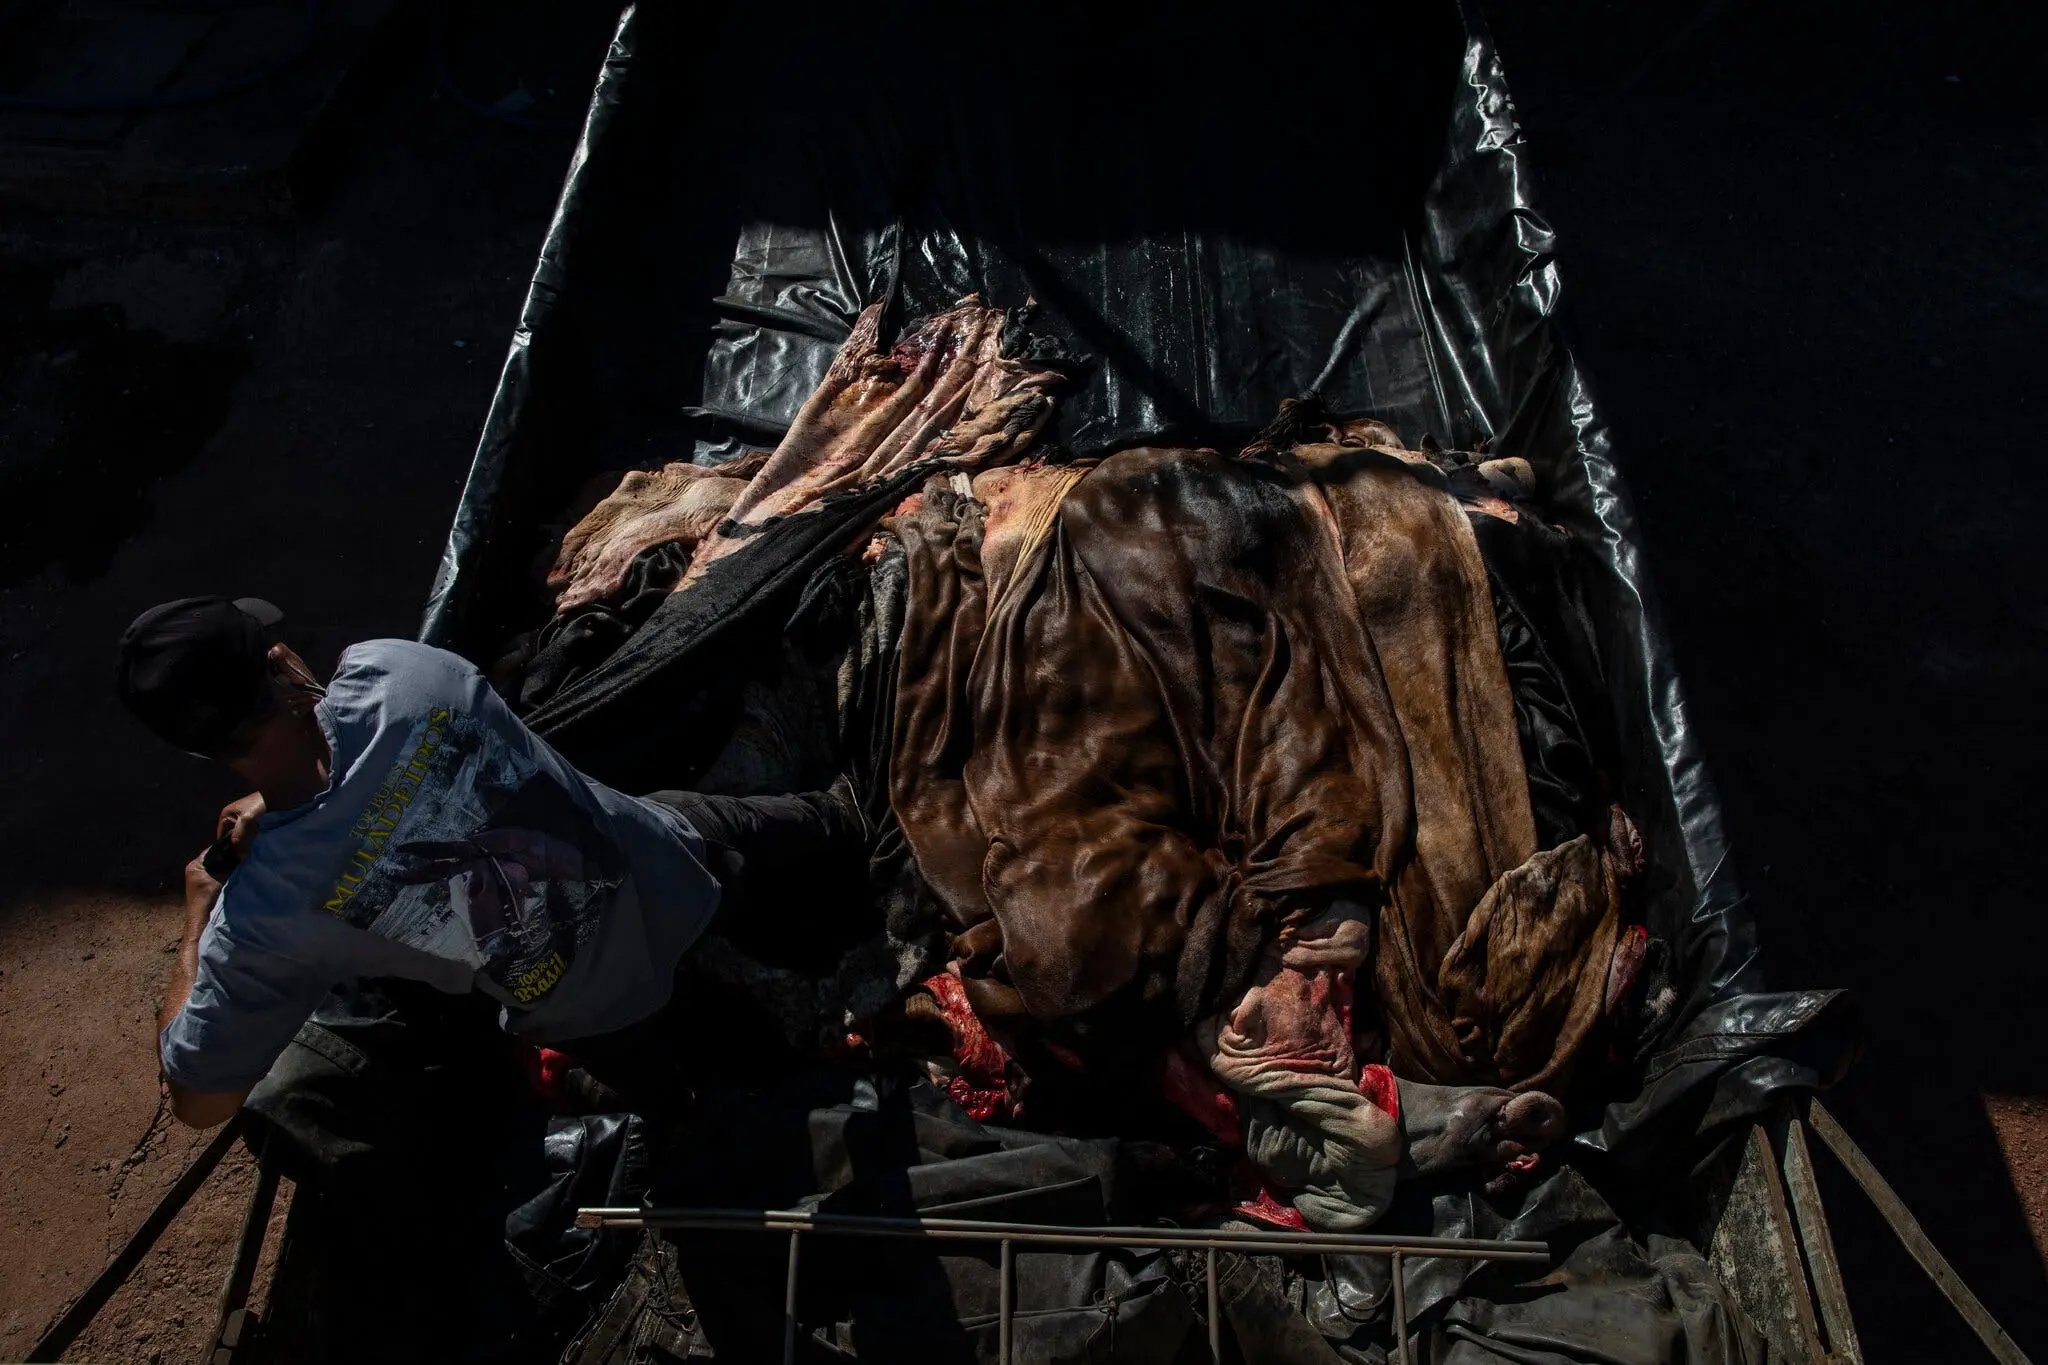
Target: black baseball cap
<point>193,670</point>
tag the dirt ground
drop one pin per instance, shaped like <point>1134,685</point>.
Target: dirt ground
<point>2022,1126</point>
<point>1805,286</point>
<point>90,1159</point>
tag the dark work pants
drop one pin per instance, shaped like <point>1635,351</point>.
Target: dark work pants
<point>767,834</point>
<point>792,873</point>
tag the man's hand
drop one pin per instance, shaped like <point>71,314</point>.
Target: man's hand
<point>238,821</point>
<point>199,1108</point>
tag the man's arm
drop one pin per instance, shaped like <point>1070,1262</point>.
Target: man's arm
<point>199,1108</point>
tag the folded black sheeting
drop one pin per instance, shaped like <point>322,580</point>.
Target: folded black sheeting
<point>1222,209</point>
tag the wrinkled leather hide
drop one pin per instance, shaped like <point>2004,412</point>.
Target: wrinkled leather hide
<point>1315,1122</point>
<point>1206,698</point>
<point>678,502</point>
<point>1163,745</point>
<point>945,392</point>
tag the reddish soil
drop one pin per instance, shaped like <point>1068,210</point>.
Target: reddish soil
<point>2021,1123</point>
<point>90,1147</point>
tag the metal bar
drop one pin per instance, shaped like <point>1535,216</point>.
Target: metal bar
<point>796,1242</point>
<point>2001,1346</point>
<point>1222,1241</point>
<point>1215,1318</point>
<point>970,1230</point>
<point>231,1321</point>
<point>1005,1310</point>
<point>1400,1312</point>
<point>1292,1244</point>
<point>66,1329</point>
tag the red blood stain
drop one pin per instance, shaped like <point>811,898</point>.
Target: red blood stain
<point>1376,1083</point>
<point>981,1085</point>
<point>1259,1200</point>
<point>1266,1209</point>
<point>547,1071</point>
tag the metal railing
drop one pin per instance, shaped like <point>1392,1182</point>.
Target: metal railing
<point>797,1224</point>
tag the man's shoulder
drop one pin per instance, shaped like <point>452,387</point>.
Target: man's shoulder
<point>396,678</point>
<point>402,653</point>
<point>383,661</point>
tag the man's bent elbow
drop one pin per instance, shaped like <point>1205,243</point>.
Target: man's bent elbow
<point>204,1108</point>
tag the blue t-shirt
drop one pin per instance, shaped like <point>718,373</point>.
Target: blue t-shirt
<point>452,846</point>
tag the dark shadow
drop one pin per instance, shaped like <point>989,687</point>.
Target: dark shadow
<point>350,414</point>
<point>892,1274</point>
<point>1797,245</point>
<point>97,411</point>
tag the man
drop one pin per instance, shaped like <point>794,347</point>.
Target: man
<point>404,823</point>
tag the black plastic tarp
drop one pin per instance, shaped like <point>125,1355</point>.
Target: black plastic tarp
<point>1221,207</point>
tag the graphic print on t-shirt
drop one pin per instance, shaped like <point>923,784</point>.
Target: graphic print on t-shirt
<point>469,851</point>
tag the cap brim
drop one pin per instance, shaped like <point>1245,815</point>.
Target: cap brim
<point>266,615</point>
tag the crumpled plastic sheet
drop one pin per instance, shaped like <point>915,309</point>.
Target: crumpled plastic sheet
<point>1220,223</point>
<point>1379,244</point>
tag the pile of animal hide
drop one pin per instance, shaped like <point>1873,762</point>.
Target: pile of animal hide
<point>1208,768</point>
<point>945,394</point>
<point>950,394</point>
